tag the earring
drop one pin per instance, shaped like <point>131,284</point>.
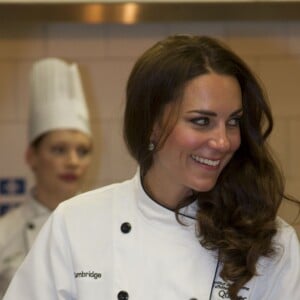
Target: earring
<point>151,146</point>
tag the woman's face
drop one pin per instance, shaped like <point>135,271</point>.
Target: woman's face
<point>60,161</point>
<point>203,141</point>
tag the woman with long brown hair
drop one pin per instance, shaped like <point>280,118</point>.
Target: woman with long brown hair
<point>199,219</point>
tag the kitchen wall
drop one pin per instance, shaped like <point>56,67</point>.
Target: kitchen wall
<point>105,54</point>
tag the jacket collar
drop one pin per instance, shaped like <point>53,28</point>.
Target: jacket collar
<point>154,211</point>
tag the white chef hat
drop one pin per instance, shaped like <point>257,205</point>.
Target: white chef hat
<point>57,98</point>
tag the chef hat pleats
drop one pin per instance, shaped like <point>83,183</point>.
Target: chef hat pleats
<point>57,98</point>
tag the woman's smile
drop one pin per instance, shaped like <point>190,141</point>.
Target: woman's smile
<point>206,161</point>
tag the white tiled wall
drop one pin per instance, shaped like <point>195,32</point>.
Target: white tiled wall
<point>106,53</point>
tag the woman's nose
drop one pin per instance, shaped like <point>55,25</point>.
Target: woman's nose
<point>220,140</point>
<point>73,158</point>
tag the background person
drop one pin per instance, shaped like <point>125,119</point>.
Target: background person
<point>198,220</point>
<point>59,154</point>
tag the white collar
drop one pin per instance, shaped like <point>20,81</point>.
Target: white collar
<point>154,211</point>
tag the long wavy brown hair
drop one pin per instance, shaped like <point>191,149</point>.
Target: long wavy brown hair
<point>237,217</point>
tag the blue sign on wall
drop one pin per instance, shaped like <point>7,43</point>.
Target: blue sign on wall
<point>12,186</point>
<point>10,190</point>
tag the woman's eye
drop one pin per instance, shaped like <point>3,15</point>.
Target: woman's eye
<point>234,122</point>
<point>83,151</point>
<point>201,121</point>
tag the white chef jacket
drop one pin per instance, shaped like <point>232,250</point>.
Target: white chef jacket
<point>18,229</point>
<point>117,243</point>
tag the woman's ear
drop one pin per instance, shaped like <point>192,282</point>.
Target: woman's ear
<point>30,157</point>
<point>155,134</point>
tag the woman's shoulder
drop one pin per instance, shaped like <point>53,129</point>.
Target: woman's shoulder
<point>285,243</point>
<point>285,232</point>
<point>78,216</point>
<point>282,268</point>
<point>98,199</point>
<point>11,224</point>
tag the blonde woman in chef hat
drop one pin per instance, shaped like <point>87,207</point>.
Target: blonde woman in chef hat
<point>59,154</point>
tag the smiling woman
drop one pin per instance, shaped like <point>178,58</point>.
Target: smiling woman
<point>203,140</point>
<point>199,219</point>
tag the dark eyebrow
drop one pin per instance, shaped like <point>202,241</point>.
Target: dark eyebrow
<point>213,114</point>
<point>236,112</point>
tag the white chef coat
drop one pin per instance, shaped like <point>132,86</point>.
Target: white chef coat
<point>18,229</point>
<point>117,243</point>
